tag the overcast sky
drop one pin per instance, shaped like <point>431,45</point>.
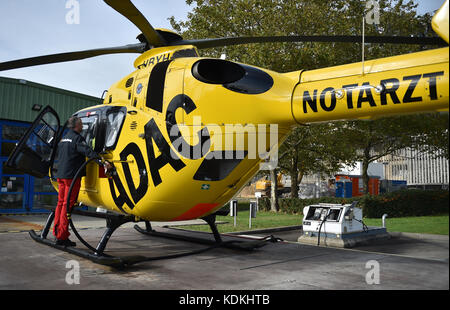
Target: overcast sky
<point>31,28</point>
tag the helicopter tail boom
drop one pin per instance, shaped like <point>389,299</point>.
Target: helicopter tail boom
<point>411,83</point>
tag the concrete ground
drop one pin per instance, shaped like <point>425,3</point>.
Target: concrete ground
<point>405,262</point>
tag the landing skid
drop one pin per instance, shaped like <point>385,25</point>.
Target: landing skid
<point>211,220</point>
<point>104,259</point>
<point>96,255</point>
<point>114,221</point>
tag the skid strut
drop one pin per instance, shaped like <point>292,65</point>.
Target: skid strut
<point>211,220</point>
<point>112,223</point>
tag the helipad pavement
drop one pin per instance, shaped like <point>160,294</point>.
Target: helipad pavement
<point>25,264</point>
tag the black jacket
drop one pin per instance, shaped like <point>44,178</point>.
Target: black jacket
<point>71,155</point>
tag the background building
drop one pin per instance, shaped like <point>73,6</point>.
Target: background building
<point>418,169</point>
<point>405,168</point>
<point>20,103</point>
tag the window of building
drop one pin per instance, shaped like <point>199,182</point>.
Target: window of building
<point>19,192</point>
<point>10,132</point>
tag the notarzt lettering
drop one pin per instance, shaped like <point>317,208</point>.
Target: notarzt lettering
<point>388,91</point>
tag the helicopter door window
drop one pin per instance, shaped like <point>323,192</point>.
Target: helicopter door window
<point>114,121</point>
<point>33,153</point>
<point>155,90</point>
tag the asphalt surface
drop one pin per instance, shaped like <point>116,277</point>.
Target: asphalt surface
<point>404,263</point>
<point>429,247</point>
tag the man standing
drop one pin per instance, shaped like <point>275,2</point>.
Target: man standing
<point>72,153</point>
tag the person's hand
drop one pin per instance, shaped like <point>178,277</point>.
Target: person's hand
<point>107,165</point>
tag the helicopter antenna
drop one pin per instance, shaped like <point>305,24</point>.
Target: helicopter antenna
<point>363,33</point>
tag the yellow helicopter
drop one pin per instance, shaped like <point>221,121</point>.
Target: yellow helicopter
<point>181,129</point>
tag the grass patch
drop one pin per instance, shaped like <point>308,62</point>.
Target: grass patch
<point>421,224</point>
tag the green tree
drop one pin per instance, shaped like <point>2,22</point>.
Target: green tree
<point>434,138</point>
<point>371,140</point>
<point>228,18</point>
<point>317,148</point>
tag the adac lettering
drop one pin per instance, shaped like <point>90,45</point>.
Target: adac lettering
<point>185,149</point>
<point>360,95</point>
<point>136,193</point>
<point>154,60</point>
<point>153,138</point>
<point>153,134</point>
<point>139,192</point>
<point>122,198</point>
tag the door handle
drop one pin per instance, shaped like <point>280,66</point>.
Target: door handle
<point>121,161</point>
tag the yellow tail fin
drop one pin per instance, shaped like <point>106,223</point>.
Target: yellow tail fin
<point>440,22</point>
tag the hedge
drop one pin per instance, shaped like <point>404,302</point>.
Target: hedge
<point>402,203</point>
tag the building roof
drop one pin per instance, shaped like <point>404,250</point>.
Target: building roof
<point>17,97</point>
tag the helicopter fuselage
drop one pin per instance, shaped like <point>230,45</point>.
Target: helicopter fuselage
<point>186,133</point>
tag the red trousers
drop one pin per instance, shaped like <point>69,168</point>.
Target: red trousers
<point>61,225</point>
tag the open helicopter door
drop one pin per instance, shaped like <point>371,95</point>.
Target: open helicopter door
<point>33,154</point>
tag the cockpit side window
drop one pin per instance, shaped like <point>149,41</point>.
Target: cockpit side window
<point>114,120</point>
<point>101,127</point>
<point>89,132</point>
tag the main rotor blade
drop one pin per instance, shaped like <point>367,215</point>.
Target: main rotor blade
<point>209,43</point>
<point>69,56</point>
<point>127,9</point>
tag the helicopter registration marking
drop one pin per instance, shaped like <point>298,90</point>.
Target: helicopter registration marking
<point>154,60</point>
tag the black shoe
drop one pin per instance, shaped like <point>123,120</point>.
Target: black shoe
<point>66,242</point>
<point>70,243</point>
